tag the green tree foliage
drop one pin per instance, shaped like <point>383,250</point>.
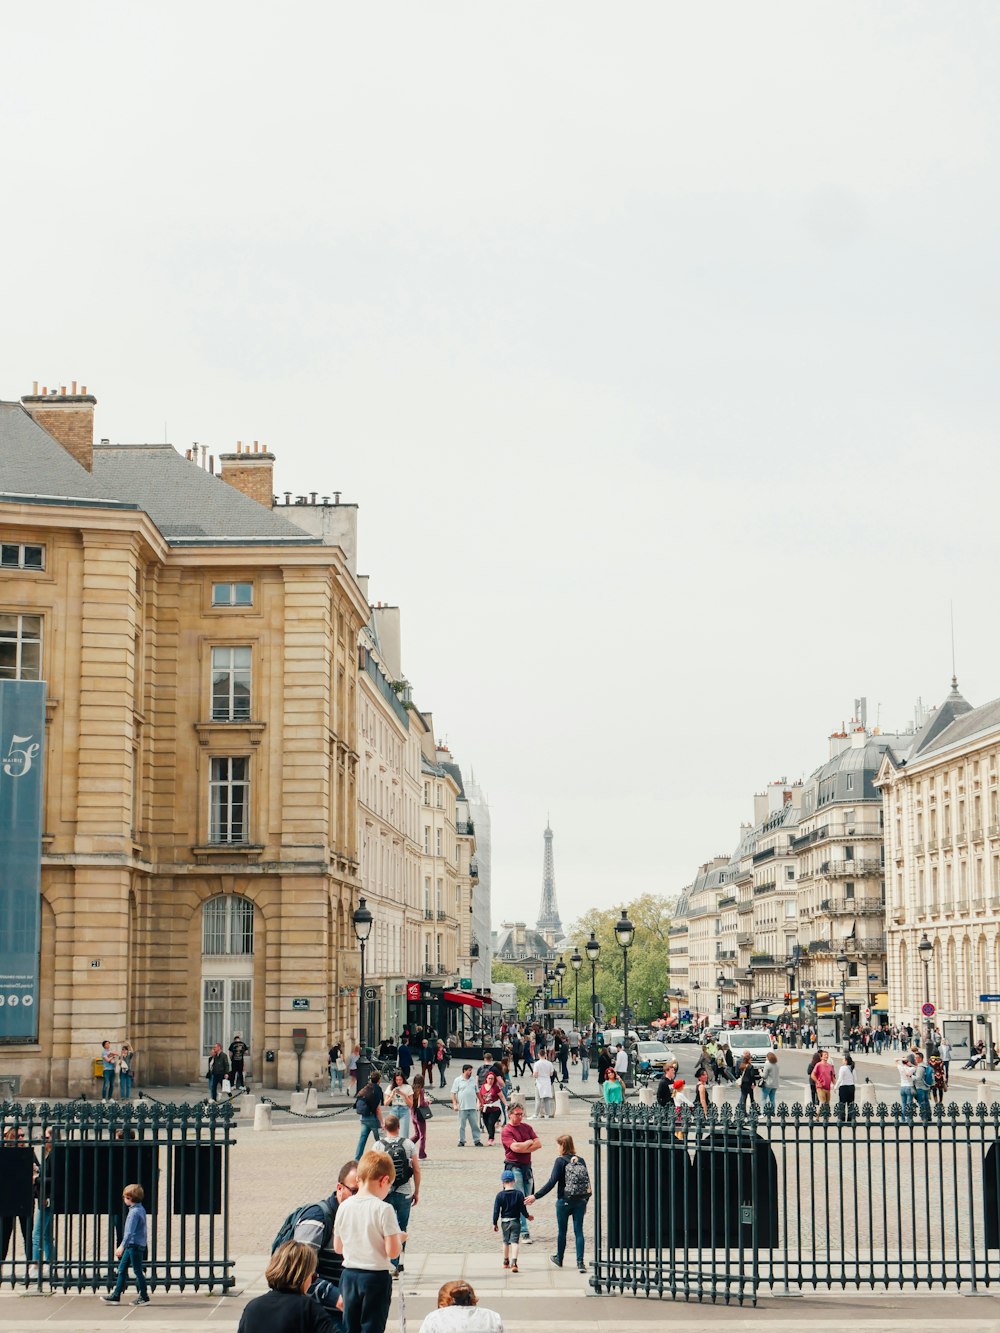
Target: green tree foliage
<point>525,988</point>
<point>648,958</point>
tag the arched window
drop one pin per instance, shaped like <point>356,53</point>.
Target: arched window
<point>227,926</point>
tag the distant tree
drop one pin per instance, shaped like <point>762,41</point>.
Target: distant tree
<point>648,958</point>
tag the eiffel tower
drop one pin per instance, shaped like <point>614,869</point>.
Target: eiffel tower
<point>548,923</point>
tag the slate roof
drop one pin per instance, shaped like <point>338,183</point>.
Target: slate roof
<point>984,718</point>
<point>36,468</point>
<point>189,505</point>
<point>534,944</point>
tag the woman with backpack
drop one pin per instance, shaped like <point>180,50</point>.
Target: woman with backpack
<point>421,1114</point>
<point>571,1181</point>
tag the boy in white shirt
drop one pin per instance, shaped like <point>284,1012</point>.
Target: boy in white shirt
<point>367,1234</point>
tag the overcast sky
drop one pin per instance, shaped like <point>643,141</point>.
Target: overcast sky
<point>657,343</point>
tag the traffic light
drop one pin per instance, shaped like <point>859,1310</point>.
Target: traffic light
<point>788,996</point>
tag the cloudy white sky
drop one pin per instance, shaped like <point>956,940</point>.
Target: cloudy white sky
<point>657,344</point>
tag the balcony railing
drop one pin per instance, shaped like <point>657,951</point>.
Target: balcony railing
<point>850,869</point>
<point>766,855</point>
<point>728,901</point>
<point>853,906</point>
<point>762,959</point>
<point>428,914</point>
<point>744,940</point>
<point>820,946</point>
<point>464,827</point>
<point>725,955</point>
<point>441,914</point>
<point>769,887</point>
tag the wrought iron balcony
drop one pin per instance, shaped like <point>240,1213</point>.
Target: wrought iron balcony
<point>851,869</point>
<point>766,855</point>
<point>769,887</point>
<point>744,940</point>
<point>853,906</point>
<point>762,959</point>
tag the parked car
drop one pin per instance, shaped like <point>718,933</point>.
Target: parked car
<point>653,1055</point>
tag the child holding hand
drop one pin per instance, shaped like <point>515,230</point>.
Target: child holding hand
<point>508,1209</point>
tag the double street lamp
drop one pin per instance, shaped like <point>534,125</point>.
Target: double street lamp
<point>362,920</point>
<point>792,998</point>
<point>560,973</point>
<point>750,993</point>
<point>592,949</point>
<point>695,987</point>
<point>624,934</point>
<point>576,962</point>
<point>720,981</point>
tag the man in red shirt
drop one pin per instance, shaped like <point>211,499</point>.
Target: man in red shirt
<point>519,1142</point>
<point>823,1076</point>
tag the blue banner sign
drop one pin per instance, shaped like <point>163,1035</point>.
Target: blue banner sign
<point>22,747</point>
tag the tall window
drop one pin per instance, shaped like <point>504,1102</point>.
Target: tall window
<point>230,684</point>
<point>20,647</point>
<point>229,790</point>
<point>227,925</point>
<point>437,842</point>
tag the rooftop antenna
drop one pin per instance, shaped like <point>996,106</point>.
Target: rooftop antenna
<point>954,675</point>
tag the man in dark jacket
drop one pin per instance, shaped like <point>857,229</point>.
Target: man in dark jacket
<point>315,1227</point>
<point>218,1068</point>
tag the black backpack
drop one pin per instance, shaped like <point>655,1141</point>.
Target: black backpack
<point>396,1148</point>
<point>287,1229</point>
<point>576,1184</point>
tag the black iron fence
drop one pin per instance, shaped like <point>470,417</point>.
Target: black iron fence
<point>726,1206</point>
<point>62,1172</point>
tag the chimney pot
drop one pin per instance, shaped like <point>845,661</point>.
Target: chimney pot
<point>312,497</point>
<point>44,390</point>
<point>62,390</point>
<point>74,387</point>
<point>83,388</point>
<point>255,447</point>
<point>34,388</point>
<point>211,464</point>
<point>288,497</point>
<point>336,497</point>
<point>239,446</point>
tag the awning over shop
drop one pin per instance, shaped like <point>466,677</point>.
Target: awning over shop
<point>462,997</point>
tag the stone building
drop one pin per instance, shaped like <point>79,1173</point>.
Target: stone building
<point>942,846</point>
<point>200,849</point>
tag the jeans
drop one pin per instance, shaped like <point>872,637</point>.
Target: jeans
<point>923,1101</point>
<point>125,1082</point>
<point>470,1118</point>
<point>524,1180</point>
<point>108,1085</point>
<point>336,1079</point>
<point>41,1237</point>
<point>132,1254</point>
<point>400,1205</point>
<point>769,1095</point>
<point>369,1125</point>
<point>585,1065</point>
<point>906,1098</point>
<point>491,1114</point>
<point>566,1209</point>
<point>367,1296</point>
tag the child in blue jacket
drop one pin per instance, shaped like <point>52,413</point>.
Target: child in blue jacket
<point>132,1249</point>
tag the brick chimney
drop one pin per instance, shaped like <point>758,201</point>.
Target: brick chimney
<point>250,471</point>
<point>68,418</point>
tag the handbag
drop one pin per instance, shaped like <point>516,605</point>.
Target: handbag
<point>227,1087</point>
<point>341,1066</point>
<point>424,1113</point>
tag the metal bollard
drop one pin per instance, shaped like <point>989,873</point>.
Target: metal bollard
<point>262,1116</point>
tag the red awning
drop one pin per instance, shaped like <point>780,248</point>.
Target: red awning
<point>462,997</point>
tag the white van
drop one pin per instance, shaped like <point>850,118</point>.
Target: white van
<point>754,1040</point>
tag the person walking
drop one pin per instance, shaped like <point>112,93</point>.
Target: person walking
<point>400,1102</point>
<point>509,1210</point>
<point>770,1080</point>
<point>41,1232</point>
<point>421,1114</point>
<point>823,1076</point>
<point>131,1249</point>
<point>441,1060</point>
<point>126,1062</point>
<point>944,1055</point>
<point>940,1080</point>
<point>749,1077</point>
<point>337,1067</point>
<point>923,1082</point>
<point>369,1107</point>
<point>218,1069</point>
<point>404,1058</point>
<point>846,1083</point>
<point>427,1060</point>
<point>571,1181</point>
<point>352,1068</point>
<point>492,1104</point>
<point>813,1062</point>
<point>584,1052</point>
<point>519,1142</point>
<point>465,1100</point>
<point>543,1072</point>
<point>405,1192</point>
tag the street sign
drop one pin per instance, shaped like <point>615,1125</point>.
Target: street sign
<point>928,1010</point>
<point>300,1002</point>
<point>868,1013</point>
<point>989,999</point>
<point>371,992</point>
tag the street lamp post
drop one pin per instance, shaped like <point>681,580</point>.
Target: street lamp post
<point>844,963</point>
<point>750,995</point>
<point>926,953</point>
<point>576,962</point>
<point>624,934</point>
<point>696,987</point>
<point>560,973</point>
<point>592,949</point>
<point>720,981</point>
<point>362,923</point>
<point>791,999</point>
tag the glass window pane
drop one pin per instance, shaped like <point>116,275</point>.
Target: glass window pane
<point>31,661</point>
<point>213,1012</point>
<point>31,626</point>
<point>241,1008</point>
<point>9,555</point>
<point>242,594</point>
<point>8,660</point>
<point>214,926</point>
<point>34,557</point>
